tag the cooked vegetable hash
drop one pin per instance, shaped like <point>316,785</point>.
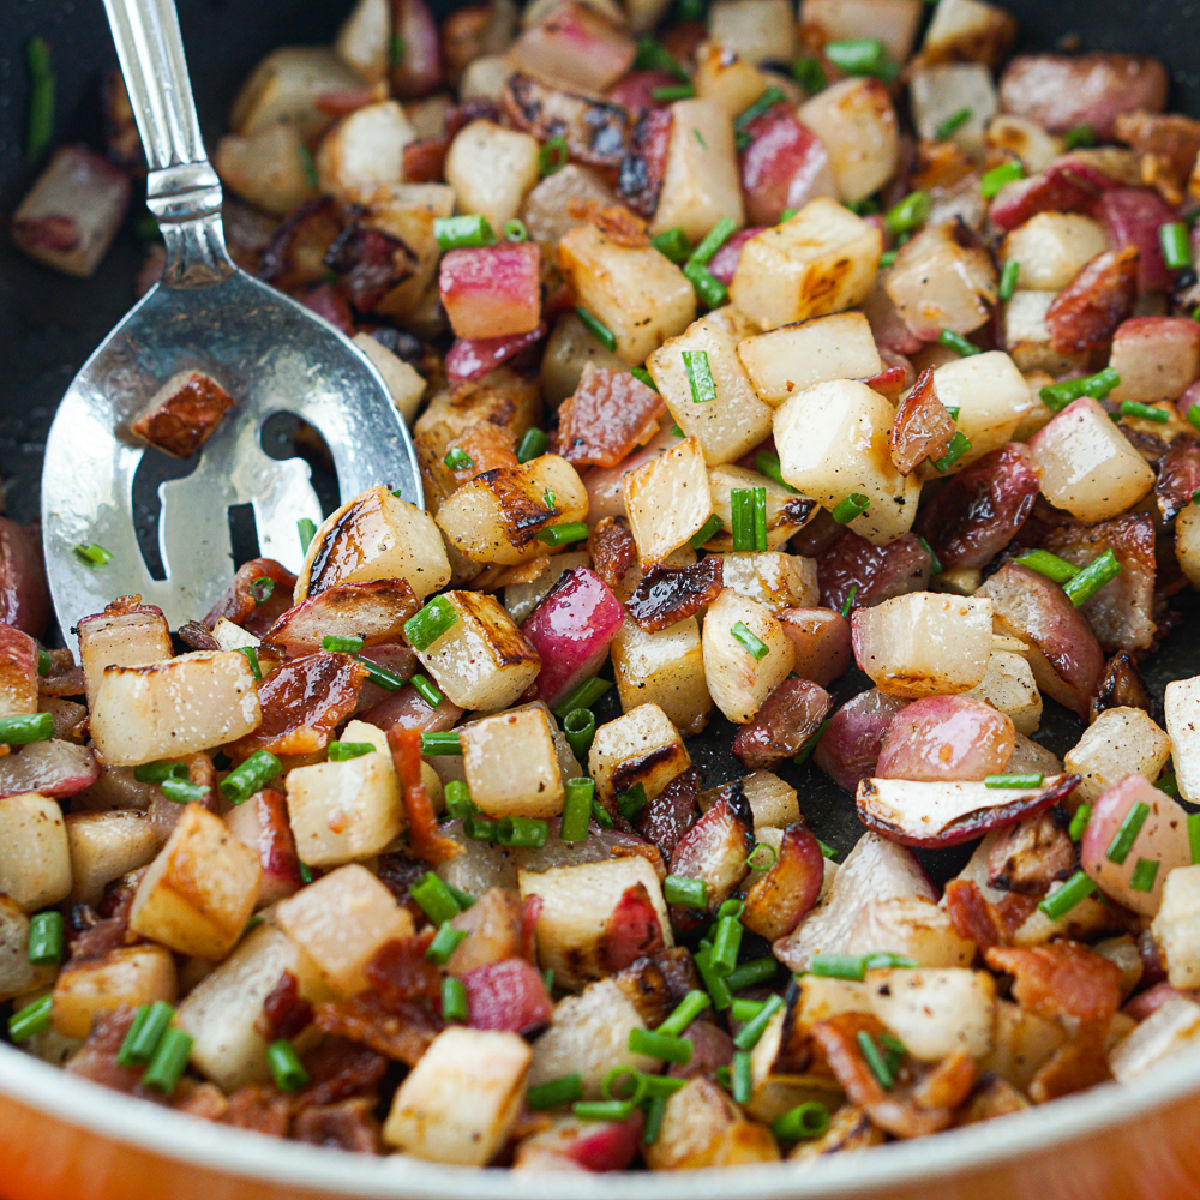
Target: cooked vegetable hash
<point>752,359</point>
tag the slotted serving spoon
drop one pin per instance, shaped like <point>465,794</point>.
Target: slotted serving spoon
<point>269,352</point>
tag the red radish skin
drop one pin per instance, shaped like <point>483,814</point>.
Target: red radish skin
<point>24,592</point>
<point>784,896</point>
<point>18,672</point>
<point>606,497</point>
<point>849,747</point>
<point>635,91</point>
<point>820,640</point>
<point>417,71</point>
<point>509,995</point>
<point>1133,217</point>
<point>262,824</point>
<point>571,630</point>
<point>492,291</point>
<point>408,709</point>
<point>574,47</point>
<point>715,849</point>
<point>785,165</point>
<point>723,264</point>
<point>470,359</point>
<point>633,930</point>
<point>946,737</point>
<point>54,768</point>
<point>1158,358</point>
<point>583,1145</point>
<point>1067,185</point>
<point>1163,837</point>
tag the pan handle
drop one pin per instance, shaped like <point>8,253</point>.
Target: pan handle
<point>182,189</point>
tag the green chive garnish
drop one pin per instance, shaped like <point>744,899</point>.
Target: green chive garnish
<point>713,240</point>
<point>935,563</point>
<point>553,155</point>
<point>583,696</point>
<point>458,233</point>
<point>183,791</point>
<point>1008,281</point>
<point>306,528</point>
<point>150,1022</point>
<point>169,1062</point>
<point>997,177</point>
<point>579,728</point>
<point>958,343</point>
<point>426,690</point>
<point>532,445</point>
<point>286,1068</point>
<point>1119,848</point>
<point>673,243</point>
<point>908,215</point>
<point>700,379</point>
<point>853,506</point>
<point>577,810</point>
<point>685,1012</point>
<point>1176,245</point>
<point>809,74</point>
<point>455,1004</point>
<point>344,751</point>
<point>336,644</point>
<point>766,462</point>
<point>672,92</point>
<point>255,773</point>
<point>1193,830</point>
<point>1015,781</point>
<point>599,330</point>
<point>33,1019</point>
<point>562,535</point>
<point>748,513</point>
<point>664,1046</point>
<point>444,743</point>
<point>748,1036</point>
<point>848,603</point>
<point>960,444</point>
<point>25,728</point>
<point>1079,887</point>
<point>685,891</point>
<point>1050,565</point>
<point>39,121</point>
<point>1145,872</point>
<point>802,1123</point>
<point>554,1093</point>
<point>515,231</point>
<point>529,832</point>
<point>654,56</point>
<point>953,123</point>
<point>47,937</point>
<point>753,973</point>
<point>643,376</point>
<point>425,627</point>
<point>1079,137</point>
<point>437,901</point>
<point>251,653</point>
<point>1056,396</point>
<point>881,1068</point>
<point>708,287</point>
<point>604,1110</point>
<point>458,460</point>
<point>748,116</point>
<point>706,532</point>
<point>93,555</point>
<point>1131,408</point>
<point>1079,822</point>
<point>1092,578</point>
<point>754,645</point>
<point>808,747</point>
<point>862,56</point>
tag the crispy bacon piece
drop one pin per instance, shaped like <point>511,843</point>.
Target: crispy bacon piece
<point>1067,185</point>
<point>613,550</point>
<point>785,894</point>
<point>1061,979</point>
<point>596,132</point>
<point>1178,477</point>
<point>423,835</point>
<point>633,929</point>
<point>1081,1063</point>
<point>285,1011</point>
<point>348,1125</point>
<point>666,818</point>
<point>400,973</point>
<point>876,572</point>
<point>402,1031</point>
<point>240,601</point>
<point>922,428</point>
<point>97,1060</point>
<point>666,595</point>
<point>509,995</point>
<point>607,417</point>
<point>789,717</point>
<point>470,359</point>
<point>724,263</point>
<point>260,1108</point>
<point>645,165</point>
<point>295,256</point>
<point>183,414</point>
<point>1031,855</point>
<point>303,703</point>
<point>1086,313</point>
<point>715,849</point>
<point>369,263</point>
<point>339,1069</point>
<point>488,446</point>
<point>425,159</point>
<point>203,1100</point>
<point>24,592</point>
<point>1172,141</point>
<point>1121,686</point>
<point>655,984</point>
<point>973,916</point>
<point>712,1049</point>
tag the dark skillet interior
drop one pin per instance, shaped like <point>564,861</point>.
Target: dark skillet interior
<point>49,324</point>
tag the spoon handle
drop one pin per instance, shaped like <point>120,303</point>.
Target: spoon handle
<point>182,189</point>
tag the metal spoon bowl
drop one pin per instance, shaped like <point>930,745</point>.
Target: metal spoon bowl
<point>270,353</point>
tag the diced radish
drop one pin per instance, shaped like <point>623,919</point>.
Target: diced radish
<point>849,747</point>
<point>946,738</point>
<point>783,897</point>
<point>633,929</point>
<point>1158,358</point>
<point>784,165</point>
<point>590,1145</point>
<point>417,67</point>
<point>508,995</point>
<point>1133,217</point>
<point>820,638</point>
<point>571,630</point>
<point>54,768</point>
<point>574,47</point>
<point>18,672</point>
<point>470,359</point>
<point>408,709</point>
<point>375,611</point>
<point>492,291</point>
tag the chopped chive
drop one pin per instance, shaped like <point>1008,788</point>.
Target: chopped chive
<point>251,653</point>
<point>862,56</point>
<point>809,746</point>
<point>1008,281</point>
<point>748,518</point>
<point>953,123</point>
<point>553,155</point>
<point>713,240</point>
<point>442,743</point>
<point>481,829</point>
<point>603,1110</point>
<point>960,444</point>
<point>183,791</point>
<point>754,858</point>
<point>515,231</point>
<point>150,1022</point>
<point>1079,137</point>
<point>643,376</point>
<point>47,937</point>
<point>598,329</point>
<point>337,644</point>
<point>885,958</point>
<point>1092,578</point>
<point>1131,408</point>
<point>685,1012</point>
<point>306,875</point>
<point>39,120</point>
<point>309,167</point>
<point>663,1085</point>
<point>426,690</point>
<point>1193,415</point>
<point>848,603</point>
<point>33,1019</point>
<point>1193,830</point>
<point>1145,872</point>
<point>673,243</point>
<point>1056,396</point>
<point>169,1061</point>
<point>742,1081</point>
<point>708,287</point>
<point>809,74</point>
<point>685,891</point>
<point>255,773</point>
<point>887,259</point>
<point>437,901</point>
<point>306,528</point>
<point>748,116</point>
<point>881,1068</point>
<point>286,1068</point>
<point>577,808</point>
<point>93,555</point>
<point>1031,780</point>
<point>837,966</point>
<point>380,676</point>
<point>935,563</point>
<point>25,728</point>
<point>396,50</point>
<point>654,56</point>
<point>802,1123</point>
<point>458,800</point>
<point>344,751</point>
<point>700,138</point>
<point>853,506</point>
<point>554,1093</point>
<point>748,1036</point>
<point>655,1111</point>
<point>630,803</point>
<point>563,535</point>
<point>624,1083</point>
<point>674,91</point>
<point>997,177</point>
<point>766,462</point>
<point>749,641</point>
<point>455,1005</point>
<point>753,973</point>
<point>426,626</point>
<point>706,532</point>
<point>156,772</point>
<point>787,214</point>
<point>1079,822</point>
<point>583,696</point>
<point>700,380</point>
<point>43,662</point>
<point>827,851</point>
<point>1119,848</point>
<point>746,1010</point>
<point>727,944</point>
<point>909,214</point>
<point>714,984</point>
<point>1168,783</point>
<point>462,233</point>
<point>600,814</point>
<point>261,589</point>
<point>528,832</point>
<point>532,445</point>
<point>1079,887</point>
<point>579,728</point>
<point>1050,565</point>
<point>1176,246</point>
<point>667,1047</point>
<point>958,343</point>
<point>458,460</point>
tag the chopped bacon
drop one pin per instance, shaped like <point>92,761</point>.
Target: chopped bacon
<point>712,1049</point>
<point>634,91</point>
<point>1031,855</point>
<point>788,890</point>
<point>423,835</point>
<point>645,165</point>
<point>979,512</point>
<point>595,132</point>
<point>97,1059</point>
<point>240,601</point>
<point>1121,686</point>
<point>98,936</point>
<point>339,1069</point>
<point>1061,979</point>
<point>198,636</point>
<point>326,301</point>
<point>65,677</point>
<point>633,929</point>
<point>425,159</point>
<point>402,1031</point>
<point>183,414</point>
<point>973,916</point>
<point>1086,313</point>
<point>1178,477</point>
<point>894,378</point>
<point>654,985</point>
<point>285,1011</point>
<point>470,359</point>
<point>724,263</point>
<point>876,572</point>
<point>666,818</point>
<point>613,549</point>
<point>607,417</point>
<point>400,973</point>
<point>303,703</point>
<point>1067,185</point>
<point>1172,141</point>
<point>408,709</point>
<point>509,996</point>
<point>789,717</point>
<point>667,595</point>
<point>369,263</point>
<point>1081,1063</point>
<point>341,102</point>
<point>348,1125</point>
<point>260,1108</point>
<point>922,428</point>
<point>488,446</point>
<point>24,592</point>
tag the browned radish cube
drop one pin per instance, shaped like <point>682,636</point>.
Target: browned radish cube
<point>127,976</point>
<point>183,414</point>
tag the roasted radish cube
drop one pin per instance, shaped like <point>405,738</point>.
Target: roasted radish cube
<point>71,215</point>
<point>639,295</point>
<point>364,151</point>
<point>702,1127</point>
<point>991,396</point>
<point>855,120</point>
<point>820,640</point>
<point>700,185</point>
<point>1177,927</point>
<point>104,846</point>
<point>832,440</point>
<point>746,654</point>
<point>340,921</point>
<point>124,977</point>
<point>924,644</point>
<point>18,975</point>
<point>1181,710</point>
<point>935,1013</point>
<point>287,86</point>
<point>1027,335</point>
<point>641,747</point>
<point>511,765</point>
<point>1118,742</point>
<point>1161,1038</point>
<point>340,811</point>
<point>491,170</point>
<point>1026,140</point>
<point>667,500</point>
<point>171,709</point>
<point>183,414</point>
<point>578,45</point>
<point>665,669</point>
<point>575,933</point>
<point>35,856</point>
<point>773,802</point>
<point>223,1012</point>
<point>727,79</point>
<point>268,169</point>
<point>754,30</point>
<point>781,362</point>
<point>775,580</point>
<point>1156,357</point>
<point>492,291</point>
<point>941,92</point>
<point>496,517</point>
<point>1010,687</point>
<point>375,536</point>
<point>18,672</point>
<point>787,513</point>
<point>363,40</point>
<point>1087,465</point>
<point>121,636</point>
<point>1051,248</point>
<point>942,280</point>
<point>822,260</point>
<point>970,30</point>
<point>198,894</point>
<point>482,660</point>
<point>707,389</point>
<point>403,381</point>
<point>459,1103</point>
